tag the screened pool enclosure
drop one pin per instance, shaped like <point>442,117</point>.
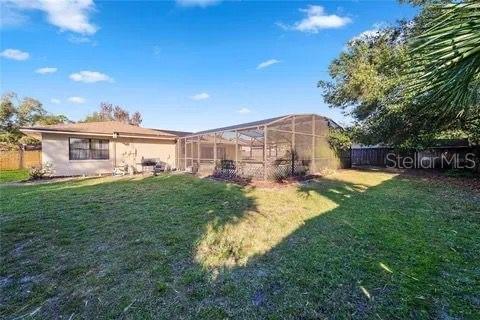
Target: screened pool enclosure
<point>267,149</point>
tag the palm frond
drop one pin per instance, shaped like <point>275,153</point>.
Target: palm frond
<point>446,61</point>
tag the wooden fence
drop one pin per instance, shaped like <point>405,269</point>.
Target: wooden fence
<point>388,157</point>
<point>370,157</point>
<point>20,159</point>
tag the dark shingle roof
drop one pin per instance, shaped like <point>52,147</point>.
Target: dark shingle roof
<point>101,127</point>
<point>175,132</point>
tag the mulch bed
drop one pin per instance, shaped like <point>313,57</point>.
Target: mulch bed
<point>266,183</point>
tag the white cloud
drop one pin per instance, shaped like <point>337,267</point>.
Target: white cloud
<point>244,110</point>
<point>55,100</point>
<point>315,20</point>
<point>197,3</point>
<point>46,70</point>
<point>371,33</point>
<point>200,96</point>
<point>90,76</point>
<point>77,100</point>
<point>15,54</point>
<point>267,63</point>
<point>68,15</point>
<point>10,16</point>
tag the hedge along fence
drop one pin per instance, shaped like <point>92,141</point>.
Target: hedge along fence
<point>20,159</point>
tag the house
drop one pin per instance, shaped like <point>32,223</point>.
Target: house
<point>97,147</point>
<point>269,148</point>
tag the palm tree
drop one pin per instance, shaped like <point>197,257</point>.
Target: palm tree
<point>446,63</point>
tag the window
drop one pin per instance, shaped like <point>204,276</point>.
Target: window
<point>84,149</point>
<point>99,149</point>
<point>79,149</point>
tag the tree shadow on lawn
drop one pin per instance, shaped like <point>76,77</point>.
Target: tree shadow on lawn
<point>181,247</point>
<point>387,251</point>
<point>103,248</point>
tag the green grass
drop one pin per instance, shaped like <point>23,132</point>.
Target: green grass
<point>353,245</point>
<point>13,175</point>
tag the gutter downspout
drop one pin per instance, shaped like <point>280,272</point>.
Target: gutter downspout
<point>115,136</point>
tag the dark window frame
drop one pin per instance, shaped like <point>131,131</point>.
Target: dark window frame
<point>93,154</point>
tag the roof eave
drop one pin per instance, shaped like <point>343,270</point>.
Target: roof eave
<point>97,134</point>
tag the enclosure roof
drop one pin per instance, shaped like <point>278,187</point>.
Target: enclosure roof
<point>260,123</point>
<point>242,125</point>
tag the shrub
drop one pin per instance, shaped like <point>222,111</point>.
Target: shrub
<point>340,139</point>
<point>38,172</point>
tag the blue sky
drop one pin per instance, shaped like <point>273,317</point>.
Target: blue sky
<point>187,64</point>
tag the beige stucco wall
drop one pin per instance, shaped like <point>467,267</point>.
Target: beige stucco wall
<point>130,150</point>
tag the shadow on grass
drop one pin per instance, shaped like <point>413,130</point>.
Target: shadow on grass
<point>94,247</point>
<point>386,251</point>
<point>181,247</point>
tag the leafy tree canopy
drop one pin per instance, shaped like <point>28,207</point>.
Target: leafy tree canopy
<point>16,113</point>
<point>386,79</point>
<point>367,80</point>
<point>109,112</point>
<point>366,75</point>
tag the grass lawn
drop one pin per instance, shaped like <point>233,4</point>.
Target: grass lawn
<point>353,245</point>
<point>13,175</point>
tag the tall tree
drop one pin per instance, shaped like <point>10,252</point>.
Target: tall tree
<point>365,76</point>
<point>386,80</point>
<point>366,82</point>
<point>109,112</point>
<point>15,113</point>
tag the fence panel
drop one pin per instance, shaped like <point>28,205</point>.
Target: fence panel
<point>32,158</point>
<point>19,159</point>
<point>370,156</point>
<point>10,160</point>
<point>430,158</point>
